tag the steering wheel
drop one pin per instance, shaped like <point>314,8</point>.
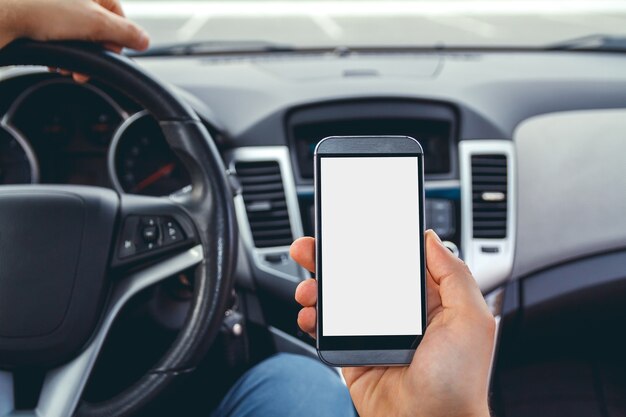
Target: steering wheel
<point>72,256</point>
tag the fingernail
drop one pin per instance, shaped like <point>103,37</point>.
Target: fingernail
<point>145,39</point>
<point>436,235</point>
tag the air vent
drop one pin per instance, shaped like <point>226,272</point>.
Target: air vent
<point>489,196</point>
<point>266,207</point>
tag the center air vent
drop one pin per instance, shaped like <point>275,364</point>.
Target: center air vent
<point>489,196</point>
<point>264,196</point>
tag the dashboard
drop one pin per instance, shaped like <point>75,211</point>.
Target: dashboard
<point>266,112</point>
<point>55,131</point>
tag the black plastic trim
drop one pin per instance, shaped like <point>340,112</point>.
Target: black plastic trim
<point>378,108</point>
<point>572,282</point>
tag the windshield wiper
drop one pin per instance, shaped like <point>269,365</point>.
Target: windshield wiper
<point>595,42</point>
<point>212,47</point>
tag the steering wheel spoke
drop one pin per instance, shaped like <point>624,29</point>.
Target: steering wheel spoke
<point>63,386</point>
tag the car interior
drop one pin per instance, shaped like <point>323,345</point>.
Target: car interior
<point>182,175</point>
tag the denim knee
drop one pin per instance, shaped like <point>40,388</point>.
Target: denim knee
<point>288,385</point>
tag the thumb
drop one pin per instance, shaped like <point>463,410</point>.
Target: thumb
<point>457,287</point>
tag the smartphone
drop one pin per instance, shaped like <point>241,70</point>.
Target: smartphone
<point>370,265</point>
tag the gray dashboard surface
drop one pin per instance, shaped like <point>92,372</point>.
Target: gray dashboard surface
<point>493,91</point>
<point>571,187</point>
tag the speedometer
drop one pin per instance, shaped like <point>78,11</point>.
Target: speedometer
<point>141,161</point>
<point>17,162</point>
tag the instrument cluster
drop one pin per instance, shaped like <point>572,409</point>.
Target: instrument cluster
<point>59,132</point>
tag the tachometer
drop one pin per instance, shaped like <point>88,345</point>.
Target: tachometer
<point>17,162</point>
<point>141,161</point>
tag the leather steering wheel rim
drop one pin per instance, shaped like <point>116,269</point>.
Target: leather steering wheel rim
<point>210,205</point>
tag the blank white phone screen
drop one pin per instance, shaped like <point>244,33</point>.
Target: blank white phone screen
<point>371,283</point>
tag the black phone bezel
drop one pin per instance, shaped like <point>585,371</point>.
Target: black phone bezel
<point>360,147</point>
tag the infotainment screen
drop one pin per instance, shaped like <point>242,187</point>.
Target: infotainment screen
<point>433,135</point>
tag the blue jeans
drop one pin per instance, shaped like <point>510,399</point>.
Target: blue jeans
<point>287,385</point>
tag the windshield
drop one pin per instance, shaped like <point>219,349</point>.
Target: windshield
<point>379,23</point>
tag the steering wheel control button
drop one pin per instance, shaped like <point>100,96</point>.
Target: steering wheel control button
<point>127,246</point>
<point>172,232</point>
<point>145,234</point>
<point>150,234</point>
<point>149,221</point>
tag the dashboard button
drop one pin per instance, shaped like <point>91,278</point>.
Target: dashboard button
<point>490,249</point>
<point>278,258</point>
<point>440,217</point>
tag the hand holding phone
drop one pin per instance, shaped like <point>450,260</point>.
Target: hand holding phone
<point>449,373</point>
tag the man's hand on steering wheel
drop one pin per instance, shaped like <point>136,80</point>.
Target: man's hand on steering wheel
<point>99,21</point>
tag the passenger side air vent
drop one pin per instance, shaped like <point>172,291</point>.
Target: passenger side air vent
<point>264,196</point>
<point>489,196</point>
